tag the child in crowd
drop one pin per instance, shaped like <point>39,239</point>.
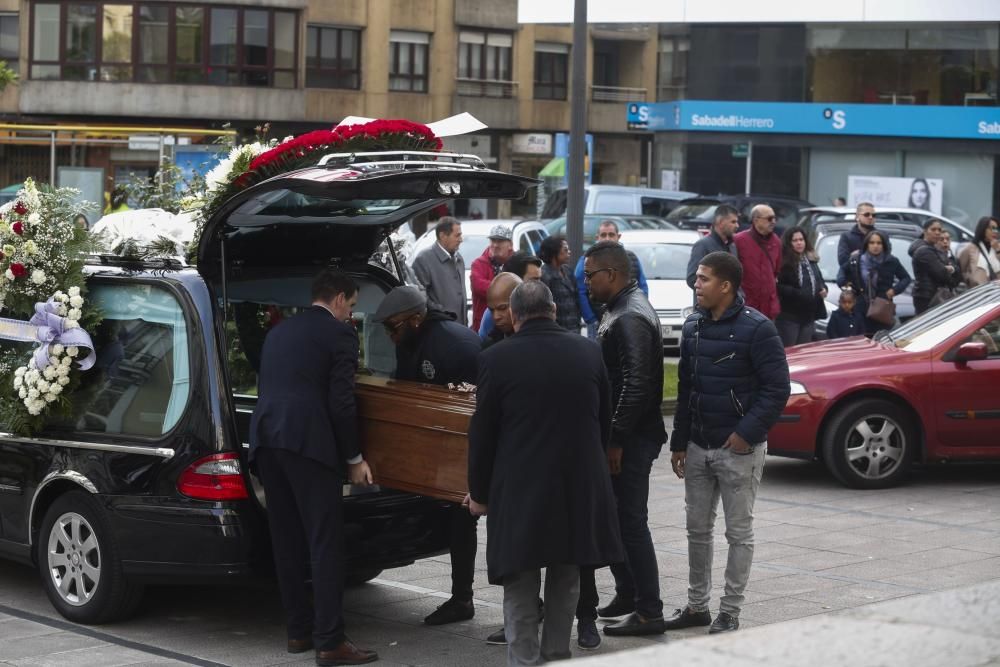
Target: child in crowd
<point>845,322</point>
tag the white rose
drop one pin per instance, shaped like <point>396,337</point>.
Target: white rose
<point>8,274</point>
<point>49,373</point>
<point>62,310</point>
<point>62,371</point>
<point>18,381</point>
<point>57,349</point>
<point>66,361</point>
<point>34,219</point>
<point>58,295</point>
<point>32,376</point>
<point>55,389</point>
<point>53,361</point>
<point>32,393</point>
<point>42,385</point>
<point>76,301</point>
<point>23,393</point>
<point>34,410</point>
<point>74,314</point>
<point>38,276</point>
<point>63,381</point>
<point>72,324</point>
<point>20,371</point>
<point>49,398</point>
<point>74,291</point>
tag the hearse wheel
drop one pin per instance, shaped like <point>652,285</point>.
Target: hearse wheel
<point>79,564</point>
<point>869,444</point>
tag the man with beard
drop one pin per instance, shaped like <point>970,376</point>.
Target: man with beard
<point>854,238</point>
<point>432,347</point>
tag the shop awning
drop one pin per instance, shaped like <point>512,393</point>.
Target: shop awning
<point>556,168</point>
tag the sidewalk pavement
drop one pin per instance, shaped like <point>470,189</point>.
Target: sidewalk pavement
<point>958,628</point>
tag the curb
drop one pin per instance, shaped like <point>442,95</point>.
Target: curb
<point>668,407</point>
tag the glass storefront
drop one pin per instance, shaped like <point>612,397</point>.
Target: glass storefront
<point>955,65</point>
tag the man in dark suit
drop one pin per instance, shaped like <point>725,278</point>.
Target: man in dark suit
<point>304,430</point>
<point>538,470</point>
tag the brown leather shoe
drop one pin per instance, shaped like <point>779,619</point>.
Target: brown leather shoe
<point>300,645</point>
<point>345,654</point>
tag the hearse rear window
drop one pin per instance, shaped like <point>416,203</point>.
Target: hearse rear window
<point>286,204</point>
<point>141,381</point>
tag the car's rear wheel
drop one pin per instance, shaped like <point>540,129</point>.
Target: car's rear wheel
<point>79,564</point>
<point>869,444</point>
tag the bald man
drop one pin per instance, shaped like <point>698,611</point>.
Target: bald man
<point>759,251</point>
<point>498,302</point>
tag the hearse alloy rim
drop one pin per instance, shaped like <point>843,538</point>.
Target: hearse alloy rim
<point>74,557</point>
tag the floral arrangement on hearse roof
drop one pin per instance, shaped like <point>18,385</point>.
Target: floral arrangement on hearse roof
<point>43,299</point>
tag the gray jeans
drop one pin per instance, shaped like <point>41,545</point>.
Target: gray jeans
<point>520,614</point>
<point>711,474</point>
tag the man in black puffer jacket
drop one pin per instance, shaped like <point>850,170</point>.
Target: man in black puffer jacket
<point>733,385</point>
<point>630,340</point>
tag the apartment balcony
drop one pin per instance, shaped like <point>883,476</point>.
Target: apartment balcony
<point>91,98</point>
<point>491,101</point>
<point>617,94</point>
<point>486,88</point>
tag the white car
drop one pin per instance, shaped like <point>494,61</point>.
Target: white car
<point>809,218</point>
<point>664,256</point>
<point>528,236</point>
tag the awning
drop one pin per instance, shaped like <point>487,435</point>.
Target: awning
<point>556,168</point>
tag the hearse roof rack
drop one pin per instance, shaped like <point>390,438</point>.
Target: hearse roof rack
<point>401,160</point>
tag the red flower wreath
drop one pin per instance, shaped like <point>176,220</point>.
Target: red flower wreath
<point>20,208</point>
<point>17,228</point>
<point>18,270</point>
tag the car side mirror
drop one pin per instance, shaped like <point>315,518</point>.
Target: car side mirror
<point>971,352</point>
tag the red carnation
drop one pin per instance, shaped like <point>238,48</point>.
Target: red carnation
<point>17,228</point>
<point>20,208</point>
<point>18,270</point>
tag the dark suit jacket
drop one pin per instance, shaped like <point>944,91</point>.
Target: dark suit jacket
<point>306,387</point>
<point>537,452</point>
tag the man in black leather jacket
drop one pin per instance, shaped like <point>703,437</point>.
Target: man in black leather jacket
<point>629,334</point>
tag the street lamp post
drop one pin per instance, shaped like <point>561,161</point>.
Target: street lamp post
<point>577,131</point>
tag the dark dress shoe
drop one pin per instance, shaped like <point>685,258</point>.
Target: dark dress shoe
<point>619,606</point>
<point>452,611</point>
<point>300,645</point>
<point>587,636</point>
<point>345,654</point>
<point>498,638</point>
<point>685,618</point>
<point>635,625</point>
<point>724,623</point>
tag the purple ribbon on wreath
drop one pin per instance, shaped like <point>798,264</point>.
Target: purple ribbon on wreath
<point>51,330</point>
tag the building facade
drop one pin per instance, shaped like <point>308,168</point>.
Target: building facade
<point>303,64</point>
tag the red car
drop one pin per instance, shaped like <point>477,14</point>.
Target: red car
<point>927,391</point>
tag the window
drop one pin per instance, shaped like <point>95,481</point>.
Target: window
<point>673,67</point>
<point>142,379</point>
<point>163,43</point>
<point>408,61</point>
<point>333,57</point>
<point>484,63</point>
<point>551,67</point>
<point>9,40</point>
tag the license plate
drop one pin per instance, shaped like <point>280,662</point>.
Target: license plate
<point>666,329</point>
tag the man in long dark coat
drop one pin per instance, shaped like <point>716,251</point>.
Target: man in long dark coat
<point>538,469</point>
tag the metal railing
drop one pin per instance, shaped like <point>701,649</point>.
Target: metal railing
<point>617,94</point>
<point>486,88</point>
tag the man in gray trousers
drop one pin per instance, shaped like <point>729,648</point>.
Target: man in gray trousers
<point>733,385</point>
<point>539,472</point>
<point>440,270</point>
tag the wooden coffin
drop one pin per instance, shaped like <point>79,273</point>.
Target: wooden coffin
<point>415,436</point>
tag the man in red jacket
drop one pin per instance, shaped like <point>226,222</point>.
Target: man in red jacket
<point>760,254</point>
<point>487,266</point>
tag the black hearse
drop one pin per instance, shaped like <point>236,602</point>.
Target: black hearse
<point>148,482</point>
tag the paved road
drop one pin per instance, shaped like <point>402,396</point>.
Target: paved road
<point>820,547</point>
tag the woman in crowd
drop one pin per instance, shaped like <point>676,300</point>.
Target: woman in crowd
<point>558,276</point>
<point>979,260</point>
<point>873,273</point>
<point>801,290</point>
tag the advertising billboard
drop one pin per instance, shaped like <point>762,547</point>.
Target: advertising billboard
<point>922,193</point>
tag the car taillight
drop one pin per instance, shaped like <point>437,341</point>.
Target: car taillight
<point>215,477</point>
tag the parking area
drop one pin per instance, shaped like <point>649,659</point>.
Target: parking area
<point>820,547</point>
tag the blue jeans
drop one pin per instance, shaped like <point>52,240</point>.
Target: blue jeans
<point>639,577</point>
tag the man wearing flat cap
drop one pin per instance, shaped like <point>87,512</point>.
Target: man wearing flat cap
<point>487,266</point>
<point>432,347</point>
